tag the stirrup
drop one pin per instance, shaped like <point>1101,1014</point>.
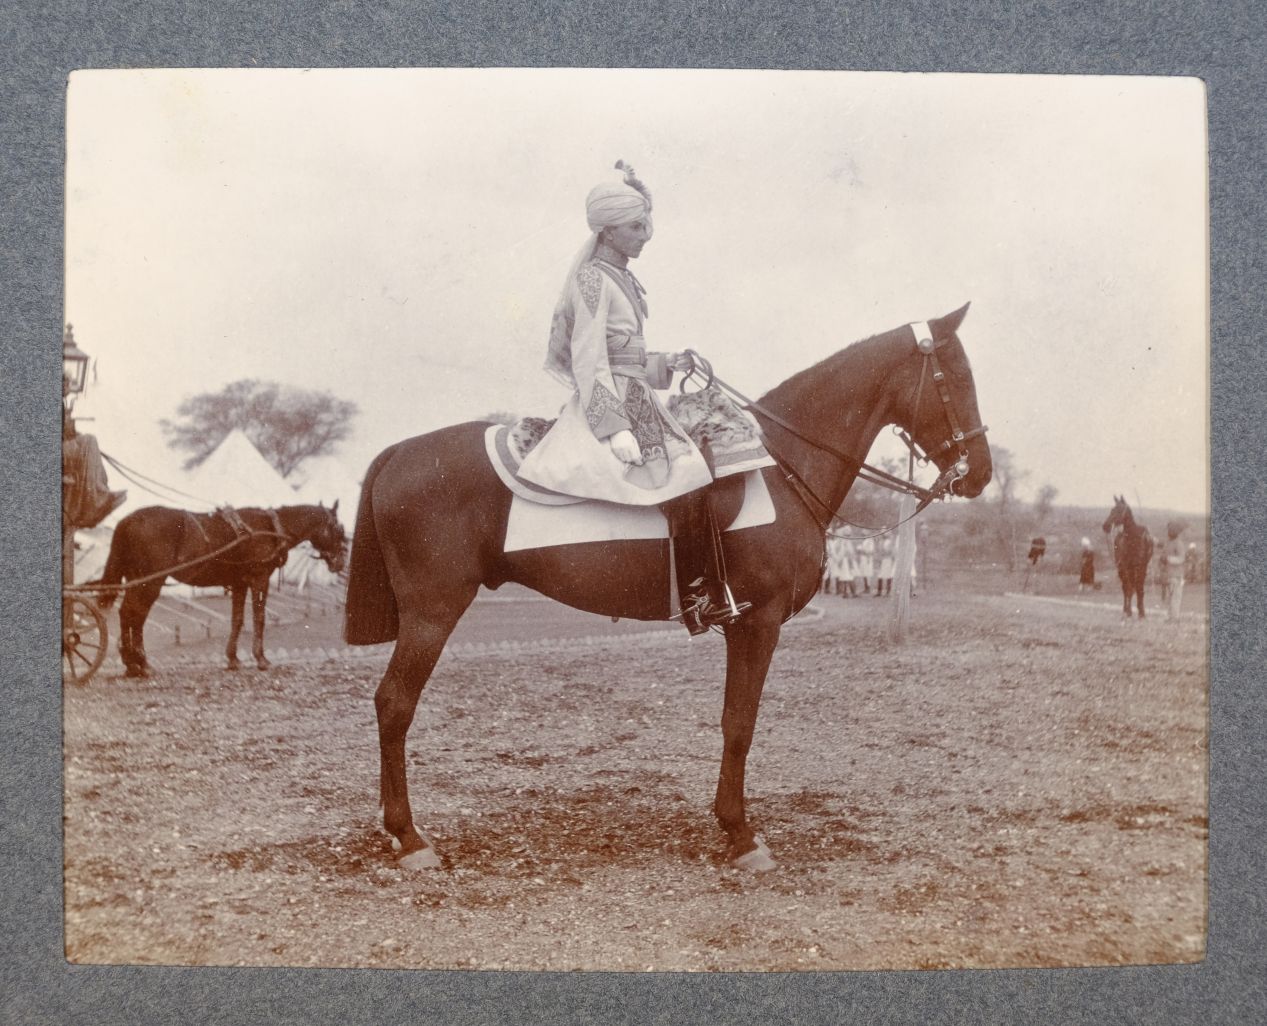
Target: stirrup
<point>699,612</point>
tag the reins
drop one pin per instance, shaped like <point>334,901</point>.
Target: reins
<point>865,471</point>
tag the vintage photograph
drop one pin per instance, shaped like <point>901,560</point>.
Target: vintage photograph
<point>694,521</point>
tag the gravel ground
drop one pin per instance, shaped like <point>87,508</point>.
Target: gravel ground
<point>1023,783</point>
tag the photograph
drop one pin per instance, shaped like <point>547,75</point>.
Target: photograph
<point>693,520</point>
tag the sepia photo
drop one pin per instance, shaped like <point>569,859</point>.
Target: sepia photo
<point>693,521</point>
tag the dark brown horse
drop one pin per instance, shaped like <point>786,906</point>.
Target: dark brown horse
<point>1132,551</point>
<point>237,549</point>
<point>432,521</point>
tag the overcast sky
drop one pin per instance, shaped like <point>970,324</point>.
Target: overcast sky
<point>399,238</point>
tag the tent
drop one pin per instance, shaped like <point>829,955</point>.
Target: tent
<point>236,474</point>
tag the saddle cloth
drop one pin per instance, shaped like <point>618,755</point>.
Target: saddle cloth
<point>540,518</point>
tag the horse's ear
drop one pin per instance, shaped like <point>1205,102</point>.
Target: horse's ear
<point>335,507</point>
<point>950,323</point>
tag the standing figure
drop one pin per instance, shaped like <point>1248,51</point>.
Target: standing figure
<point>1034,558</point>
<point>1192,564</point>
<point>1086,569</point>
<point>884,574</point>
<point>848,568</point>
<point>1173,555</point>
<point>615,440</point>
<point>866,562</point>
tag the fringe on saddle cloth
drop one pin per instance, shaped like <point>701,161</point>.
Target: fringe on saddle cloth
<point>728,436</point>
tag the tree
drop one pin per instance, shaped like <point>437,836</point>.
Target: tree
<point>1045,501</point>
<point>288,425</point>
<point>1007,476</point>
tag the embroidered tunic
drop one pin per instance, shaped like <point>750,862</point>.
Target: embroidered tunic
<point>615,378</point>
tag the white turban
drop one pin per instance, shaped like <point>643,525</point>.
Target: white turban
<point>614,203</point>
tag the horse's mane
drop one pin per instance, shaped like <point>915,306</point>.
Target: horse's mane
<point>826,365</point>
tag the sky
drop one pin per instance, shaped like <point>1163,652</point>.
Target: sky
<point>400,237</point>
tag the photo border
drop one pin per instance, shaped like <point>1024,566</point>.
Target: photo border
<point>1220,43</point>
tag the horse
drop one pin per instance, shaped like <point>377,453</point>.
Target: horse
<point>432,518</point>
<point>234,549</point>
<point>1132,551</point>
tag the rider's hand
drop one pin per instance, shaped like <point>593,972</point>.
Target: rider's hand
<point>625,448</point>
<point>680,362</point>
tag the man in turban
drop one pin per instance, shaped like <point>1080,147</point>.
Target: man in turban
<point>615,440</point>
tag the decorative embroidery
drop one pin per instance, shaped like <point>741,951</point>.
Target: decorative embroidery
<point>601,402</point>
<point>590,283</point>
<point>655,434</point>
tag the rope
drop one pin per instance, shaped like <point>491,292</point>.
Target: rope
<point>137,478</point>
<point>98,586</point>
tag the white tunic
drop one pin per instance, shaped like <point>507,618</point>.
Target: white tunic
<point>615,380</point>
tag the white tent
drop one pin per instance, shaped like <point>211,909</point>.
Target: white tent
<point>236,474</point>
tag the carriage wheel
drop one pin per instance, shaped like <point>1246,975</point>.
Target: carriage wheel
<point>84,639</point>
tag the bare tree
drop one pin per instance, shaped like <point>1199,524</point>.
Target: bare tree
<point>288,425</point>
<point>1007,477</point>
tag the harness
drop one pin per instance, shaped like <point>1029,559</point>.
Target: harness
<point>927,346</point>
<point>243,532</point>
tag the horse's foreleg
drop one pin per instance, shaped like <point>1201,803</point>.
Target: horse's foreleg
<point>749,647</point>
<point>259,600</point>
<point>238,607</point>
<point>418,647</point>
<point>1139,595</point>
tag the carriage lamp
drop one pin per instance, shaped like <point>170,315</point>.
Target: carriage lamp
<point>74,365</point>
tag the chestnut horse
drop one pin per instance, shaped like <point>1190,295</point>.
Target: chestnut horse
<point>1132,551</point>
<point>432,522</point>
<point>238,550</point>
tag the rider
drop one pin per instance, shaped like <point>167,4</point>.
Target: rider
<point>615,440</point>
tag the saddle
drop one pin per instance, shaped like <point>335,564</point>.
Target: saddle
<point>540,518</point>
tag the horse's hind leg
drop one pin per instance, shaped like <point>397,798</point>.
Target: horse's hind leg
<point>750,645</point>
<point>423,633</point>
<point>133,612</point>
<point>237,610</point>
<point>259,600</point>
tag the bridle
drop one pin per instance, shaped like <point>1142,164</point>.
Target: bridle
<point>926,345</point>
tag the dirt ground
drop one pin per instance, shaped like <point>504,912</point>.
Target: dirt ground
<point>1022,783</point>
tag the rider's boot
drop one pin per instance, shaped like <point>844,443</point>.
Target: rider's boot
<point>706,599</point>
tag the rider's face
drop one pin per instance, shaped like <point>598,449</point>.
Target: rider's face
<point>628,239</point>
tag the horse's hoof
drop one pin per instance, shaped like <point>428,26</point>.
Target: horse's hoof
<point>234,666</point>
<point>423,858</point>
<point>263,664</point>
<point>758,860</point>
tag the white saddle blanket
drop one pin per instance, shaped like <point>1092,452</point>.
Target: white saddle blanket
<point>536,524</point>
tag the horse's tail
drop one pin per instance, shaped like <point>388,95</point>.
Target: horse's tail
<point>113,573</point>
<point>370,613</point>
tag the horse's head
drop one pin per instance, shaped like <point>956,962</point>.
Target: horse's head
<point>1119,515</point>
<point>938,407</point>
<point>327,537</point>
